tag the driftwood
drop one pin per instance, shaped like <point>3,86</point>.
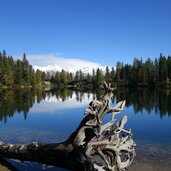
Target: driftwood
<point>93,146</point>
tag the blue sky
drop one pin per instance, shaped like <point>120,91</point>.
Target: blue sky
<point>101,31</point>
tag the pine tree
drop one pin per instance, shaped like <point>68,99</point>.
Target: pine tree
<point>169,67</point>
<point>63,76</point>
<point>99,76</point>
<point>52,79</point>
<point>70,77</point>
<point>163,70</point>
<point>33,78</point>
<point>88,78</point>
<point>48,76</point>
<point>118,72</point>
<point>81,76</point>
<point>149,74</point>
<point>25,70</point>
<point>156,71</point>
<point>108,75</point>
<point>43,77</point>
<point>38,77</point>
<point>1,70</point>
<point>93,77</point>
<point>77,76</point>
<point>17,72</point>
<point>9,77</point>
<point>113,75</point>
<point>57,78</point>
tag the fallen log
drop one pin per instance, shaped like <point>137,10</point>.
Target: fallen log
<point>92,146</point>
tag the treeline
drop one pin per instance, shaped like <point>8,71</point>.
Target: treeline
<point>80,79</point>
<point>149,73</point>
<point>18,72</point>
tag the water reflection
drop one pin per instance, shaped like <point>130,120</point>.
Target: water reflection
<point>158,100</point>
<point>54,102</point>
<point>21,101</point>
<point>51,116</point>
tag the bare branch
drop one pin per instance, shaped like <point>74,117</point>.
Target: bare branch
<point>92,146</point>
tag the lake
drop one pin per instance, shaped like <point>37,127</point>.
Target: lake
<point>51,116</point>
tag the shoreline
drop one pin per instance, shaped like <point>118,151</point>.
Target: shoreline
<point>148,166</point>
<point>6,166</point>
<point>140,166</point>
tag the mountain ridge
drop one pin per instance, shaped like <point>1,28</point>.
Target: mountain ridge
<point>55,68</point>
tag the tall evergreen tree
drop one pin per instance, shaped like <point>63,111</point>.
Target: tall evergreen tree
<point>113,75</point>
<point>25,70</point>
<point>9,77</point>
<point>169,67</point>
<point>108,75</point>
<point>93,76</point>
<point>63,77</point>
<point>99,76</point>
<point>77,76</point>
<point>38,77</point>
<point>163,70</point>
<point>57,78</point>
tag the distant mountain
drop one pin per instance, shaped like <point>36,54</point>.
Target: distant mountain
<point>54,68</point>
<point>49,68</point>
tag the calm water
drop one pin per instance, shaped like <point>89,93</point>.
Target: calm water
<point>36,115</point>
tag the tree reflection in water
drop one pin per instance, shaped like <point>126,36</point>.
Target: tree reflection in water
<point>157,100</point>
<point>21,101</point>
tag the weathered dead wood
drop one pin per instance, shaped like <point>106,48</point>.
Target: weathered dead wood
<point>93,145</point>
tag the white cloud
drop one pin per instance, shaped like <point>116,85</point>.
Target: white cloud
<point>52,104</point>
<point>44,60</point>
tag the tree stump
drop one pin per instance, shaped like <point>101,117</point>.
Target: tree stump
<point>93,146</point>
